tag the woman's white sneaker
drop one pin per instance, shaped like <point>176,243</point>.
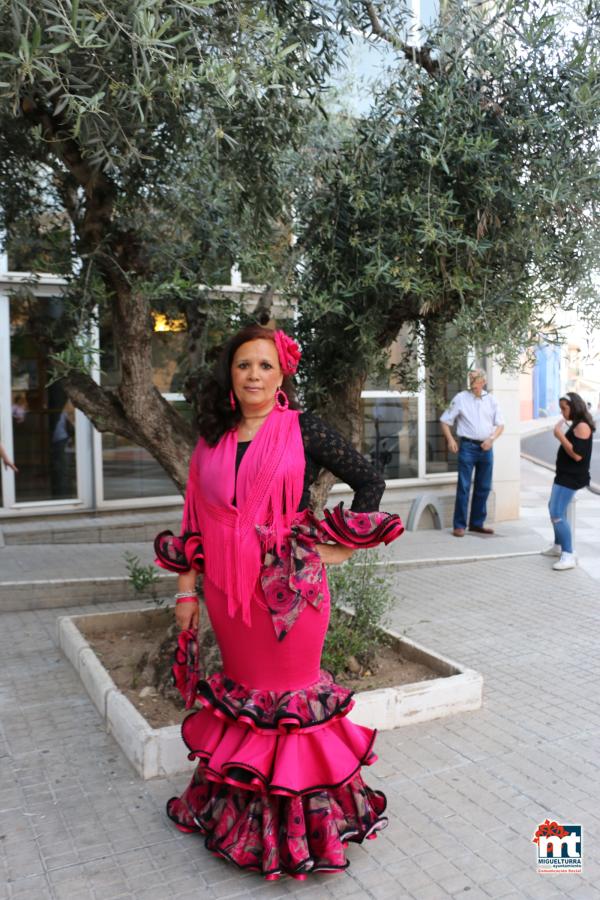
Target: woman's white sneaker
<point>552,550</point>
<point>566,561</point>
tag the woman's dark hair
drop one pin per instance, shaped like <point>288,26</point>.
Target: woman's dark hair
<point>215,415</point>
<point>578,411</point>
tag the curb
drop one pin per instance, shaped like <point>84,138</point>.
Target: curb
<point>454,560</point>
<point>546,423</point>
<point>593,488</point>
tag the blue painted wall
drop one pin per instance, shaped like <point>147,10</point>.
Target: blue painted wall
<point>546,381</point>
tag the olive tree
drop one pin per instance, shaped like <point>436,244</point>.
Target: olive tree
<point>464,206</point>
<point>155,130</point>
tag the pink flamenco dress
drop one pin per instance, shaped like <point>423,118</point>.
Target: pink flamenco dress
<point>278,786</point>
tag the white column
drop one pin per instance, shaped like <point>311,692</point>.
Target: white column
<point>6,433</point>
<point>235,276</point>
<point>422,422</point>
<point>6,436</point>
<point>96,437</point>
<point>507,450</point>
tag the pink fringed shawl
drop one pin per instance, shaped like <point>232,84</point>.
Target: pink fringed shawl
<point>267,493</point>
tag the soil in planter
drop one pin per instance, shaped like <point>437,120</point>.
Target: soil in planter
<point>125,654</point>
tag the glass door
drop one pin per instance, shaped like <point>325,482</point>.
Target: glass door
<point>127,474</point>
<point>42,416</point>
<point>7,483</point>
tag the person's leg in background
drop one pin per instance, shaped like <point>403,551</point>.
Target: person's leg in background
<point>560,498</point>
<point>466,462</point>
<point>482,487</point>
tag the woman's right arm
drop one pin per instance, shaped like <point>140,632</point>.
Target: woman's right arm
<point>186,612</point>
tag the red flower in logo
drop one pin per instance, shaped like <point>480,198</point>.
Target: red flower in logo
<point>288,351</point>
<point>549,829</point>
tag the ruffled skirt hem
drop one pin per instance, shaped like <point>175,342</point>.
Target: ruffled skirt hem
<point>274,799</point>
<point>279,835</point>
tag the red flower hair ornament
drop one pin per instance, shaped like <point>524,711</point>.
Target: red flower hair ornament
<point>288,351</point>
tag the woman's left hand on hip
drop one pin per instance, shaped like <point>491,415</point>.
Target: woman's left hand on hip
<point>333,554</point>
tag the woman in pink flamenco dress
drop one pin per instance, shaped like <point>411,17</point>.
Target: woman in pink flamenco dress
<point>278,787</point>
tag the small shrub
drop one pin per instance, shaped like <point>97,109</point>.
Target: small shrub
<point>364,588</point>
<point>141,577</point>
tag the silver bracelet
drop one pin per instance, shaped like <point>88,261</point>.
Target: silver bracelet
<point>185,594</point>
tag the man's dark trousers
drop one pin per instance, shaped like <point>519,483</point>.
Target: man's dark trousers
<point>471,456</point>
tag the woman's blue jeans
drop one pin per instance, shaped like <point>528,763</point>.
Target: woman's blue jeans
<point>471,456</point>
<point>557,507</point>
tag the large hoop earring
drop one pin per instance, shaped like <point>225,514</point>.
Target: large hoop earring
<point>232,400</point>
<point>281,399</point>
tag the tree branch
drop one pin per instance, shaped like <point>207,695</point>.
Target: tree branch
<point>420,56</point>
<point>66,186</point>
<point>132,330</point>
<point>100,405</point>
<point>94,225</point>
<point>164,433</point>
<point>407,309</point>
<point>99,190</point>
<point>343,412</point>
<point>262,310</point>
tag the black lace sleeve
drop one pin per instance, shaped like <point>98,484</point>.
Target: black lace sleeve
<point>327,449</point>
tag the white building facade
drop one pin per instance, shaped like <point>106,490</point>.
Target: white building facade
<point>66,465</point>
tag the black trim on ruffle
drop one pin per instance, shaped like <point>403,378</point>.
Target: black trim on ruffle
<point>189,829</point>
<point>303,867</point>
<point>205,690</point>
<point>181,563</point>
<point>204,755</point>
<point>282,870</point>
<point>337,524</point>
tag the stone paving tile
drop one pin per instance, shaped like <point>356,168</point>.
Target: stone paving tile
<point>30,889</point>
<point>431,892</point>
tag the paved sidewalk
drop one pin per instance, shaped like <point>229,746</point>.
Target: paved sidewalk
<point>465,793</point>
<point>536,483</point>
<point>27,562</point>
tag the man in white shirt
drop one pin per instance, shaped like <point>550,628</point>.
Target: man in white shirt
<point>479,423</point>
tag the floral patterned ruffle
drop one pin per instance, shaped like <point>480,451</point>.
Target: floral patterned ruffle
<point>292,573</point>
<point>179,554</point>
<point>275,835</point>
<point>287,711</point>
<point>186,666</point>
<point>360,529</point>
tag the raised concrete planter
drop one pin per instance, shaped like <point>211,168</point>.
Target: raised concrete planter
<point>458,689</point>
<point>16,596</point>
<point>160,751</point>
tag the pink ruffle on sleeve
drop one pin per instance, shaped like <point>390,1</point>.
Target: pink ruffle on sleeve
<point>360,529</point>
<point>179,554</point>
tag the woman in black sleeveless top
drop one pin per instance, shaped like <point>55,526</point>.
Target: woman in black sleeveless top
<point>572,474</point>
